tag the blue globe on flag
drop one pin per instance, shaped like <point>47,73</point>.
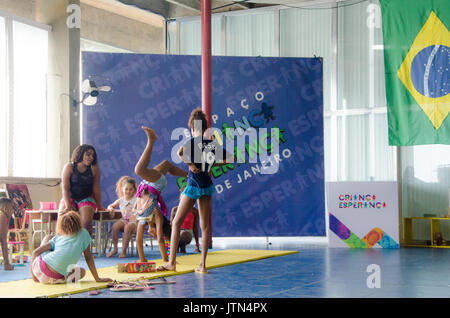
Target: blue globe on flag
<point>430,71</point>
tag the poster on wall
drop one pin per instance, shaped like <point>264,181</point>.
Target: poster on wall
<point>20,197</point>
<point>279,99</point>
<point>363,214</point>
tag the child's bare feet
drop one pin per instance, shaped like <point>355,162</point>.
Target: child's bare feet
<point>9,267</point>
<point>167,267</point>
<point>150,133</point>
<point>201,269</point>
<point>123,255</point>
<point>112,253</point>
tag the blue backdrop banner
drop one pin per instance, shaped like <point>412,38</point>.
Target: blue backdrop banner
<point>280,194</point>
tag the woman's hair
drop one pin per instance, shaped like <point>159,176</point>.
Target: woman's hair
<point>167,229</point>
<point>121,183</point>
<point>78,153</point>
<point>198,114</point>
<point>68,224</point>
<point>4,202</point>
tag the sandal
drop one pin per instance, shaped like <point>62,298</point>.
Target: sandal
<point>94,292</point>
<point>162,268</point>
<point>201,272</point>
<point>126,287</point>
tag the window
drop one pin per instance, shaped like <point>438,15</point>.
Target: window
<point>23,104</point>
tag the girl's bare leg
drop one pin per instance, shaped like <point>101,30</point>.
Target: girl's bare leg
<point>87,216</point>
<point>141,168</point>
<point>184,207</point>
<point>205,209</point>
<point>4,242</point>
<point>168,167</point>
<point>118,226</point>
<point>140,242</point>
<point>127,233</point>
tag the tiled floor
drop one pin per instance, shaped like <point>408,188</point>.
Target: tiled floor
<point>316,271</point>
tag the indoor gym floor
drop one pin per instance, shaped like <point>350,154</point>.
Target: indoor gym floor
<point>315,271</point>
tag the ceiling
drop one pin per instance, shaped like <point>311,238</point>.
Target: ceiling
<point>170,9</point>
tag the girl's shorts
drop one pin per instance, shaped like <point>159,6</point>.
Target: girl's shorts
<point>43,274</point>
<point>78,204</point>
<point>147,215</point>
<point>194,192</point>
<point>128,220</point>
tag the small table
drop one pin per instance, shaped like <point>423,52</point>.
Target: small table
<point>42,213</point>
<point>101,233</point>
<point>434,223</point>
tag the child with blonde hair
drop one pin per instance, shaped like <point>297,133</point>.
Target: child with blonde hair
<point>126,190</point>
<point>6,211</point>
<point>54,262</point>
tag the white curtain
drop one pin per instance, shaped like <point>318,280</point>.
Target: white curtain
<point>191,37</point>
<point>250,35</point>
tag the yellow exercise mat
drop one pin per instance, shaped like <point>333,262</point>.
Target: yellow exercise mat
<point>185,264</point>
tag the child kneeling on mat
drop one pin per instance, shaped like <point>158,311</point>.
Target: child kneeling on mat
<point>54,262</point>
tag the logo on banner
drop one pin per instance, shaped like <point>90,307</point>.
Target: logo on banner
<point>360,201</point>
<point>375,236</point>
<point>254,142</point>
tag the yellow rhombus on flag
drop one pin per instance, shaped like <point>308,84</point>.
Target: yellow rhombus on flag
<point>417,70</point>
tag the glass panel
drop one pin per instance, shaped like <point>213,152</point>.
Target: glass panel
<point>328,155</point>
<point>354,148</point>
<point>172,38</point>
<point>384,155</point>
<point>426,184</point>
<point>250,35</point>
<point>307,33</point>
<point>191,37</point>
<point>30,105</point>
<point>353,57</point>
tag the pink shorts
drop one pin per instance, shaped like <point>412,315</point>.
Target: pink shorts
<point>78,204</point>
<point>43,274</point>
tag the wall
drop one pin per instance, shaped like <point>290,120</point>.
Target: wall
<point>22,8</point>
<point>146,35</point>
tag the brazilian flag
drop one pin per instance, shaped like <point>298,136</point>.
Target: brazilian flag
<point>417,66</point>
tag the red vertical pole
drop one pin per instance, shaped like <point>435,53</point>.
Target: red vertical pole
<point>206,75</point>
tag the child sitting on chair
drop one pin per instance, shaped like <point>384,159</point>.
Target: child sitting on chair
<point>54,262</point>
<point>6,211</point>
<point>126,190</point>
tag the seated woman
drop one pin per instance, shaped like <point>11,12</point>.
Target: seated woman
<point>80,184</point>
